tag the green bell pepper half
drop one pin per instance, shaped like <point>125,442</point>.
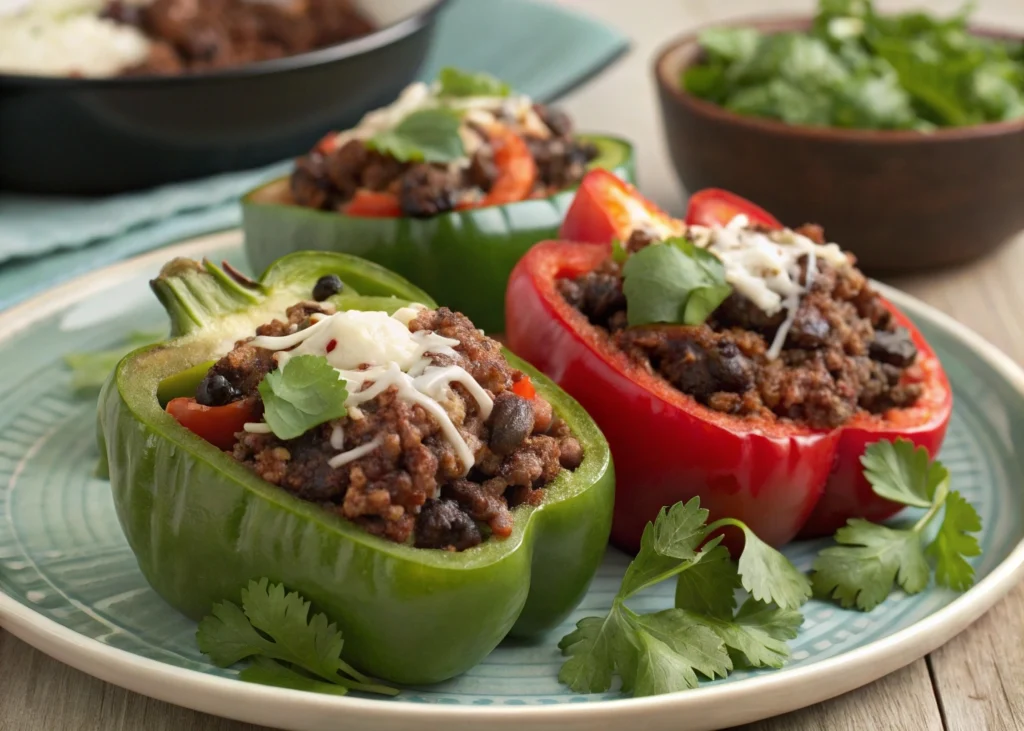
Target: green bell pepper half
<point>202,525</point>
<point>462,258</point>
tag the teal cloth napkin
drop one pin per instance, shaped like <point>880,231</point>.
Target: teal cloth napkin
<point>541,49</point>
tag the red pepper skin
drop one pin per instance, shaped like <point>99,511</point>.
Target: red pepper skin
<point>216,424</point>
<point>667,447</point>
<point>714,206</point>
<point>607,208</point>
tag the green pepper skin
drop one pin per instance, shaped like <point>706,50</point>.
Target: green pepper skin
<point>203,525</point>
<point>463,258</point>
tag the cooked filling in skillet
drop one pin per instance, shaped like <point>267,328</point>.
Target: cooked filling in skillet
<point>442,437</point>
<point>202,35</point>
<point>442,147</point>
<point>800,336</point>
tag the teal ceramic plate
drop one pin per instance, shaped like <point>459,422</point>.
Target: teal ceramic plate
<point>70,586</point>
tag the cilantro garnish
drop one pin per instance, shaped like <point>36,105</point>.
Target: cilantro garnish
<point>858,68</point>
<point>305,393</point>
<point>429,135</point>
<point>871,558</point>
<point>703,635</point>
<point>673,282</point>
<point>455,82</point>
<point>89,370</point>
<point>287,648</point>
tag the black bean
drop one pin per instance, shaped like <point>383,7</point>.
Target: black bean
<point>895,348</point>
<point>216,390</point>
<point>511,423</point>
<point>327,286</point>
<point>443,524</point>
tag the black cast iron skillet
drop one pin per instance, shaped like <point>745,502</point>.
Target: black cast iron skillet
<point>102,136</point>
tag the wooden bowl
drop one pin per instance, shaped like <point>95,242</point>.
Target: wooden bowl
<point>900,200</point>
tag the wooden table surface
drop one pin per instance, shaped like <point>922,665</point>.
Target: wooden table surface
<point>975,683</point>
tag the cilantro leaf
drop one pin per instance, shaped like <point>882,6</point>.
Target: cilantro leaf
<point>90,370</point>
<point>901,472</point>
<point>673,537</point>
<point>590,648</point>
<point>457,83</point>
<point>953,543</point>
<point>305,393</point>
<point>709,586</point>
<point>269,672</point>
<point>703,636</point>
<point>861,570</point>
<point>670,641</point>
<point>766,573</point>
<point>869,559</point>
<point>275,626</point>
<point>673,282</point>
<point>429,135</point>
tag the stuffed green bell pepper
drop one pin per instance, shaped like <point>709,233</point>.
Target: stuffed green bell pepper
<point>449,186</point>
<point>328,428</point>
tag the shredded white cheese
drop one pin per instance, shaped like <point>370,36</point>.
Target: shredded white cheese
<point>764,266</point>
<point>373,352</point>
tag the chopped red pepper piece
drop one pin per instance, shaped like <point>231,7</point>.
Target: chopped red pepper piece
<point>524,387</point>
<point>371,204</point>
<point>216,424</point>
<point>517,170</point>
<point>780,477</point>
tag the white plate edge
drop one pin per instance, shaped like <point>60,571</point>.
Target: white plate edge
<point>710,707</point>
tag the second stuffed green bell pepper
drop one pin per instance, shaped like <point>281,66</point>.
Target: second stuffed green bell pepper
<point>449,187</point>
<point>202,521</point>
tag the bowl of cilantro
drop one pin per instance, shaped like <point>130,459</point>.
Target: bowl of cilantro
<point>902,135</point>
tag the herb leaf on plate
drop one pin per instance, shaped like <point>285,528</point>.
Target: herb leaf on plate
<point>287,647</point>
<point>428,135</point>
<point>89,370</point>
<point>870,558</point>
<point>305,393</point>
<point>673,649</point>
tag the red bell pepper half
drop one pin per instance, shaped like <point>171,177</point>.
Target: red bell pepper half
<point>781,478</point>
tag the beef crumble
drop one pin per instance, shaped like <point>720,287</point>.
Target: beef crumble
<point>412,486</point>
<point>202,35</point>
<point>329,180</point>
<point>842,354</point>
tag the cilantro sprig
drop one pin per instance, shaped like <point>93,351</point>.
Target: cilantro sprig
<point>428,135</point>
<point>453,82</point>
<point>870,559</point>
<point>305,393</point>
<point>704,635</point>
<point>673,282</point>
<point>286,648</point>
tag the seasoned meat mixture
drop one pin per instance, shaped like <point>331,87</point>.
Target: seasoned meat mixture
<point>329,180</point>
<point>842,354</point>
<point>201,35</point>
<point>411,487</point>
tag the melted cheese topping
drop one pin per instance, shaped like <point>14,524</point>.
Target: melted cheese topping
<point>373,352</point>
<point>764,266</point>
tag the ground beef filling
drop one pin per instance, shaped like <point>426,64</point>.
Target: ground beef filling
<point>203,35</point>
<point>411,488</point>
<point>843,353</point>
<point>328,181</point>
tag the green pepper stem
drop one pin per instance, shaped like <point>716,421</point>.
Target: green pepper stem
<point>195,295</point>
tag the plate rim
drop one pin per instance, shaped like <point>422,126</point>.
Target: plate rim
<point>734,703</point>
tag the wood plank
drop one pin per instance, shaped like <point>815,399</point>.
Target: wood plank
<point>902,701</point>
<point>979,676</point>
<point>38,693</point>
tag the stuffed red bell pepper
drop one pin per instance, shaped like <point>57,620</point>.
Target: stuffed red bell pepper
<point>726,357</point>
